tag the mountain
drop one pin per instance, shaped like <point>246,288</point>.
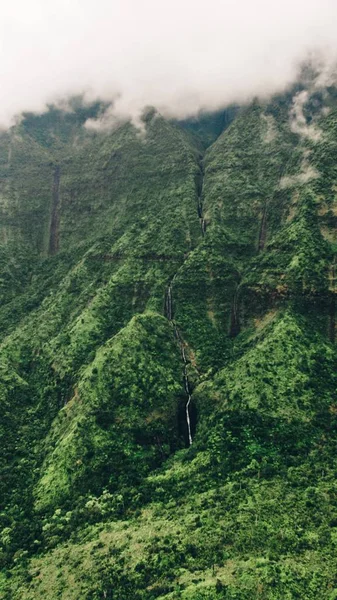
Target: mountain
<point>168,361</point>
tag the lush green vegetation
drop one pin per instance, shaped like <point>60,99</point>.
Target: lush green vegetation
<point>101,496</point>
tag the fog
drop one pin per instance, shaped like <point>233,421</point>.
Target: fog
<point>181,56</point>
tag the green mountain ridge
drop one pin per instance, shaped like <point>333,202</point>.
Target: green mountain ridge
<point>155,288</point>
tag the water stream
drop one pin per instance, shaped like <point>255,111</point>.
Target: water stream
<point>200,186</point>
<point>169,316</point>
<point>332,308</point>
<point>55,216</point>
<point>169,312</point>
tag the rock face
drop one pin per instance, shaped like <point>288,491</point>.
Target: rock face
<point>160,288</point>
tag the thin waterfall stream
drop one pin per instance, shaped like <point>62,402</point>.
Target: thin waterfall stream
<point>200,200</point>
<point>332,308</point>
<point>234,329</point>
<point>169,315</point>
<point>55,213</point>
<point>169,309</point>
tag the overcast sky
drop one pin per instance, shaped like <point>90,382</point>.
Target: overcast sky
<point>179,55</point>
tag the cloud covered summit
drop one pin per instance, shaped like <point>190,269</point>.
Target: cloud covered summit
<point>181,56</point>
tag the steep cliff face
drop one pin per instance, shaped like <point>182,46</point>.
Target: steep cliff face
<point>163,287</point>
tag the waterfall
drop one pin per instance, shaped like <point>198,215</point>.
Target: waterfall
<point>201,216</point>
<point>187,407</point>
<point>332,307</point>
<point>168,303</point>
<point>235,320</point>
<point>168,309</point>
<point>55,215</point>
<point>169,316</point>
<point>200,204</point>
<point>263,229</point>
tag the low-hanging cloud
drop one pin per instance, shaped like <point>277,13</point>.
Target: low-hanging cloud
<point>181,56</point>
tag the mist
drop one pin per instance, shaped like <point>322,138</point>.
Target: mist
<point>180,56</point>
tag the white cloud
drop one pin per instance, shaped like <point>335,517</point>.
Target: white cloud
<point>181,55</point>
<point>298,123</point>
<point>307,174</point>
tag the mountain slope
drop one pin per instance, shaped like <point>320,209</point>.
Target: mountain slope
<point>153,289</point>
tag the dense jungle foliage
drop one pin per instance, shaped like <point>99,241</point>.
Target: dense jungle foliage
<point>138,267</point>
